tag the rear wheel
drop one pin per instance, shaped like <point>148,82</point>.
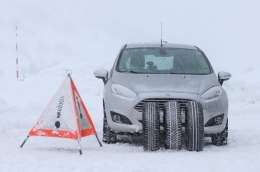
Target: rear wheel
<point>108,135</point>
<point>221,138</point>
<point>194,127</point>
<point>173,126</point>
<point>151,127</point>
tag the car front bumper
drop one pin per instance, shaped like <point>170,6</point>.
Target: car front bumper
<point>127,107</point>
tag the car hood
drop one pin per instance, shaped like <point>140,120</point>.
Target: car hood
<point>139,83</point>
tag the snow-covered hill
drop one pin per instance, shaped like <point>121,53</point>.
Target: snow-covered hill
<point>55,36</point>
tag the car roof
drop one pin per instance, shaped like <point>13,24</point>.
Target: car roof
<point>155,45</point>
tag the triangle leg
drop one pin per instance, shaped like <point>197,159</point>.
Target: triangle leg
<point>80,149</point>
<point>25,140</point>
<point>80,152</point>
<point>99,142</point>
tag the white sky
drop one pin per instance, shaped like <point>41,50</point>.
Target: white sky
<point>228,31</point>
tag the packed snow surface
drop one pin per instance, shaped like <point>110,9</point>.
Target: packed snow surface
<point>80,36</point>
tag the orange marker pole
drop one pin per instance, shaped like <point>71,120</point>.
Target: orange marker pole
<point>16,49</point>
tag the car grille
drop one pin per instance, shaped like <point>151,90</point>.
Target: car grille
<point>182,103</point>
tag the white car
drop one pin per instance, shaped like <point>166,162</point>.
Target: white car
<point>168,92</point>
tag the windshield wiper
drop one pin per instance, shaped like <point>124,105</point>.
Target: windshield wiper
<point>132,71</point>
<point>129,71</point>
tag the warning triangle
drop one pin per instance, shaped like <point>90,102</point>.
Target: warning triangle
<point>86,126</point>
<point>66,116</point>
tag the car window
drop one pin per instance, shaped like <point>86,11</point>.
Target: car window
<point>163,60</point>
<point>165,63</point>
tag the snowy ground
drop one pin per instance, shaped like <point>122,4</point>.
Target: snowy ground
<point>48,154</point>
<point>60,35</point>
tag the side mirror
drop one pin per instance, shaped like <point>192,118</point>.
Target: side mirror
<point>101,74</point>
<point>223,76</point>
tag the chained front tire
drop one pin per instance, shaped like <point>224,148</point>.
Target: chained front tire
<point>221,139</point>
<point>151,127</point>
<point>173,126</point>
<point>109,136</point>
<point>194,127</point>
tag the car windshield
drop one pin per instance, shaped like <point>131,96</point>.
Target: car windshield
<point>163,61</point>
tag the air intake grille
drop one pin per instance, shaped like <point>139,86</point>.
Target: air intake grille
<point>182,103</point>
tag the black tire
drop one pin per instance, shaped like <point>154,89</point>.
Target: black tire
<point>221,138</point>
<point>151,127</point>
<point>194,127</point>
<point>173,126</point>
<point>109,136</point>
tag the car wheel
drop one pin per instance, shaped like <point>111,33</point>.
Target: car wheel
<point>194,127</point>
<point>173,126</point>
<point>151,127</point>
<point>108,135</point>
<point>221,138</point>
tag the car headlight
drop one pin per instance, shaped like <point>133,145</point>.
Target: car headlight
<point>123,91</point>
<point>212,93</point>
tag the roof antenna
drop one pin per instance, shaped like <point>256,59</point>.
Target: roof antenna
<point>162,41</point>
<point>161,34</point>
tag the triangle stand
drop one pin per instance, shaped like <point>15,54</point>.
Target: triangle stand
<point>77,102</point>
<point>84,125</point>
<point>25,140</point>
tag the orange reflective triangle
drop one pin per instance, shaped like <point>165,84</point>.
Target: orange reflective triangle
<point>53,133</point>
<point>66,116</point>
<point>85,125</point>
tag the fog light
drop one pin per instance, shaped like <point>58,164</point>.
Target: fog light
<point>118,118</point>
<point>217,120</point>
